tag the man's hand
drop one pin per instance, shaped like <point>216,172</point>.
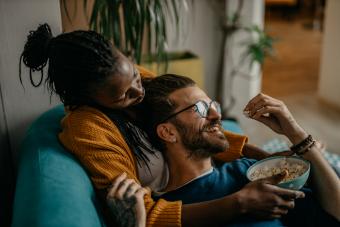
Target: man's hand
<point>275,115</point>
<point>125,199</point>
<point>262,199</point>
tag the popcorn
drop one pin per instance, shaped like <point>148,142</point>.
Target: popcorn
<point>294,170</point>
<point>246,113</point>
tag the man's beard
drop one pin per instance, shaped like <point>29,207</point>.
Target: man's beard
<point>199,143</point>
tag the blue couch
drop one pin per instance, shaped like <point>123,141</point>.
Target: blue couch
<point>52,188</point>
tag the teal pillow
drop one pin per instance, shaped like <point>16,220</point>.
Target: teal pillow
<point>52,188</point>
<point>233,126</point>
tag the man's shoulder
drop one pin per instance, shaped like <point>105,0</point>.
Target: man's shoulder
<point>240,165</point>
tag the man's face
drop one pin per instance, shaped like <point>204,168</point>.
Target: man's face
<point>202,136</point>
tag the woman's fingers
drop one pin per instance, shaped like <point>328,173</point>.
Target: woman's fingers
<point>126,201</point>
<point>115,184</point>
<point>122,188</point>
<point>140,206</point>
<point>132,189</point>
<point>141,192</point>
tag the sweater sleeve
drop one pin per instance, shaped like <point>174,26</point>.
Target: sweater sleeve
<point>101,149</point>
<point>236,143</point>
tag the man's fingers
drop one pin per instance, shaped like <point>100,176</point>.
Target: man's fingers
<point>265,111</point>
<point>279,211</point>
<point>275,179</point>
<point>265,120</point>
<point>287,194</point>
<point>253,101</point>
<point>284,193</point>
<point>112,190</point>
<point>276,216</point>
<point>286,204</point>
<point>261,100</point>
<point>263,105</point>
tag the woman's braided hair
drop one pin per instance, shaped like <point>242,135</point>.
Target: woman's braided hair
<point>78,62</point>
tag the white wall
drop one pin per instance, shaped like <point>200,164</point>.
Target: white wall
<point>22,106</point>
<point>202,35</point>
<point>329,84</point>
<point>243,88</point>
<point>205,39</point>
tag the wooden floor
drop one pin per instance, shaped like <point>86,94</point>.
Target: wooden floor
<point>295,68</point>
<point>293,77</point>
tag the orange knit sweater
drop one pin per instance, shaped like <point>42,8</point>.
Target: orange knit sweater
<point>97,143</point>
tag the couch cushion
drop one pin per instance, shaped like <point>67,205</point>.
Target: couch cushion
<point>52,188</point>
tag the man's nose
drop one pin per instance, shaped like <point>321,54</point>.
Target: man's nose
<point>213,114</point>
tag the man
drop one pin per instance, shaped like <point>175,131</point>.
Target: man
<point>186,124</point>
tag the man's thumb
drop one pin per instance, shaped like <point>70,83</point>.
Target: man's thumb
<point>275,179</point>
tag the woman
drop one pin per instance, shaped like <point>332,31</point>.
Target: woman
<point>100,89</point>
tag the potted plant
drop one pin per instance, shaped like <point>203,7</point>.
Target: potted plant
<point>135,27</point>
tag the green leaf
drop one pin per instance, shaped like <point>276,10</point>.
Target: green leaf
<point>142,18</point>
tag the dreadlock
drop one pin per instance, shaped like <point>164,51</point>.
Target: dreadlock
<point>79,62</point>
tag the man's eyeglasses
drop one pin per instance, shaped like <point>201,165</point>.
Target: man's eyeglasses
<point>201,108</point>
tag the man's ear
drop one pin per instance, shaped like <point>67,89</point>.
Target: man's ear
<point>166,133</point>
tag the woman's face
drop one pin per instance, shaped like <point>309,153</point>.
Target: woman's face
<point>123,88</point>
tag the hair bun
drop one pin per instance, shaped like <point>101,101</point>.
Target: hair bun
<point>36,49</point>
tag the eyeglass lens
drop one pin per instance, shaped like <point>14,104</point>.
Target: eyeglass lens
<point>202,108</point>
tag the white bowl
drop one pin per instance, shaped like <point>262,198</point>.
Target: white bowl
<point>298,170</point>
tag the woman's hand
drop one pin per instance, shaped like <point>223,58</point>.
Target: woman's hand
<point>125,199</point>
<point>275,114</point>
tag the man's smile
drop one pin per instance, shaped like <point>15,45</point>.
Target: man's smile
<point>214,129</point>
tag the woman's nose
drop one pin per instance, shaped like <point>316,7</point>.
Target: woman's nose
<point>138,89</point>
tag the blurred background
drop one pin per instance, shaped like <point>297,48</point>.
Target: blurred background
<point>304,71</point>
<point>233,49</point>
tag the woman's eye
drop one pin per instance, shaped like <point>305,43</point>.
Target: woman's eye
<point>122,98</point>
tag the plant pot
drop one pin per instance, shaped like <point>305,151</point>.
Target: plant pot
<point>181,63</point>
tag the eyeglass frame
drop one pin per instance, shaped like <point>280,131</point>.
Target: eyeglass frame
<point>208,107</point>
